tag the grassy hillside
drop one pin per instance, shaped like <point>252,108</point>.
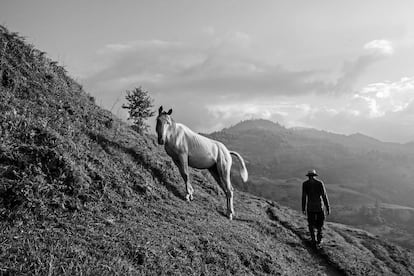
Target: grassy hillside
<point>83,194</point>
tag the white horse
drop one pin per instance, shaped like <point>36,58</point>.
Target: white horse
<point>187,148</point>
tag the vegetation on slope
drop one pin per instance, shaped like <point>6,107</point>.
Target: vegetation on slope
<point>82,193</point>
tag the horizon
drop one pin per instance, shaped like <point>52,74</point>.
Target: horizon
<point>305,128</point>
<point>342,67</point>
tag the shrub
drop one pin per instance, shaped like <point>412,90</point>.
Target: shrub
<point>139,107</point>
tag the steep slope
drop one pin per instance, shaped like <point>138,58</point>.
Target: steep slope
<point>81,193</point>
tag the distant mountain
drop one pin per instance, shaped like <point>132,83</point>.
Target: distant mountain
<point>259,124</point>
<point>358,170</point>
<point>357,161</point>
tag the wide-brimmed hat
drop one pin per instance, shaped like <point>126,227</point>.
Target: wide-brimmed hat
<point>312,173</point>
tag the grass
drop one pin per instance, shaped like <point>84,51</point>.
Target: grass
<point>83,194</point>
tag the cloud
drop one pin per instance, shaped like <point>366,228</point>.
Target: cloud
<point>217,82</point>
<point>374,110</point>
<point>386,97</point>
<point>225,66</point>
<point>139,45</point>
<point>384,110</point>
<point>393,127</point>
<point>380,46</point>
<point>376,50</point>
<point>141,62</point>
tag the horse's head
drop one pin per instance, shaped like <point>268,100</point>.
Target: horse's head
<point>164,121</point>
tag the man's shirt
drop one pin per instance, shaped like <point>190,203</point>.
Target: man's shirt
<point>313,192</point>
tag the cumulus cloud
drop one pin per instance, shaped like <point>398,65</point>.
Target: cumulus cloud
<point>393,127</point>
<point>374,110</point>
<point>385,97</point>
<point>380,46</point>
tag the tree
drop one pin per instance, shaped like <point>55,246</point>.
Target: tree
<point>139,108</point>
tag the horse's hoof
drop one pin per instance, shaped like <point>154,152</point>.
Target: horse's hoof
<point>189,197</point>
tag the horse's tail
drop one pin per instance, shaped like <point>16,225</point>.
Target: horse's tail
<point>243,170</point>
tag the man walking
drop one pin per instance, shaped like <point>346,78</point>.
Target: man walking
<point>313,193</point>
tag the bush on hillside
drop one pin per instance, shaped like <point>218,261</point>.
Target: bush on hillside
<point>139,107</point>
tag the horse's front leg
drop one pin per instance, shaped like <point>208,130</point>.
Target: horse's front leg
<point>182,164</point>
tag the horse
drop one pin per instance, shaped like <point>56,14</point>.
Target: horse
<point>187,148</point>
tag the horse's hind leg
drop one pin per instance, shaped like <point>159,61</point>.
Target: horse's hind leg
<point>217,175</point>
<point>229,197</point>
<point>224,174</point>
<point>214,172</point>
<point>182,165</point>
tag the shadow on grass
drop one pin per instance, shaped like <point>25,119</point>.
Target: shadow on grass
<point>243,220</point>
<point>236,217</point>
<point>332,267</point>
<point>141,158</point>
<point>222,213</point>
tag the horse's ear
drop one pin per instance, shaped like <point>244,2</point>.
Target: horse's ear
<point>160,110</point>
<point>169,111</point>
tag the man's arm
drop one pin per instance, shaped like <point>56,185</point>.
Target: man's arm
<point>325,199</point>
<point>303,198</point>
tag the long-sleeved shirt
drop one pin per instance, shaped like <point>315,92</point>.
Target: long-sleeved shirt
<point>313,192</point>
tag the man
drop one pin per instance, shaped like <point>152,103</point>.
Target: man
<point>313,193</point>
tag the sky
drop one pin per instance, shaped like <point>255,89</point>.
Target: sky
<point>341,66</point>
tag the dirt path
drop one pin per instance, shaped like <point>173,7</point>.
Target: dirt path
<point>330,268</point>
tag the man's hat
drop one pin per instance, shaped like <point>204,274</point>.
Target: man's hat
<point>312,173</point>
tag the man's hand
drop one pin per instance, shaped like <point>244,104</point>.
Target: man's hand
<point>304,212</point>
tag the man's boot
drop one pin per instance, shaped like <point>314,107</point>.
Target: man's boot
<point>319,236</point>
<point>312,234</point>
